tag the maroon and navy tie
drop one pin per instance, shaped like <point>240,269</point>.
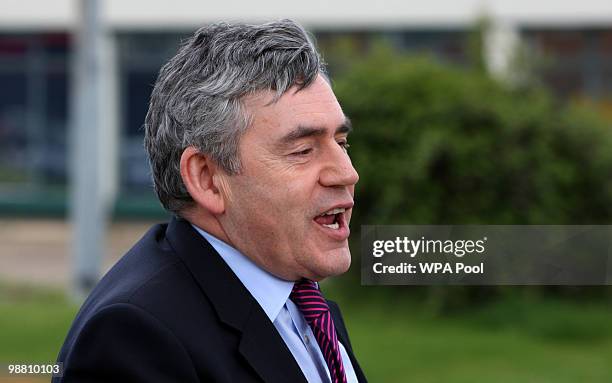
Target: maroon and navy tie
<point>313,306</point>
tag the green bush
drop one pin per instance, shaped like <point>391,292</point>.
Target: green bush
<point>440,145</point>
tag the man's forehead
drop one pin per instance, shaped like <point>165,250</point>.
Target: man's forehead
<point>313,106</point>
<point>260,98</point>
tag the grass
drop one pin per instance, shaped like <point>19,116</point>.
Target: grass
<point>397,348</point>
<point>33,324</point>
<point>517,340</point>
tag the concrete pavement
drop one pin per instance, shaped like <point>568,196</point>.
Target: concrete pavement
<point>37,251</point>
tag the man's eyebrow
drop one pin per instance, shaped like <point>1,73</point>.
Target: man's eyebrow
<point>346,127</point>
<point>306,131</point>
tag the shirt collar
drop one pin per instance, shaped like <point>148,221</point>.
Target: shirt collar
<point>268,290</point>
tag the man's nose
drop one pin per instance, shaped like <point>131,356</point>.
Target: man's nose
<point>338,169</point>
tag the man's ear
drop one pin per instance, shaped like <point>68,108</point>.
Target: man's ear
<point>198,172</point>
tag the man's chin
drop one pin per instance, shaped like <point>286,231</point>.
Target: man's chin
<point>336,262</point>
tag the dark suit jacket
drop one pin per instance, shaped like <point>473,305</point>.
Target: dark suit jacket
<point>171,310</point>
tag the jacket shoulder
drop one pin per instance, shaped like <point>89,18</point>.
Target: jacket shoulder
<point>147,279</point>
<point>115,340</point>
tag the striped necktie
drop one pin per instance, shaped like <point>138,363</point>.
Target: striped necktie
<point>313,306</point>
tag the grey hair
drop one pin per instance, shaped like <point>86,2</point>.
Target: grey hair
<point>198,96</point>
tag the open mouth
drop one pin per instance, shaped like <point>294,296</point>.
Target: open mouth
<point>332,219</point>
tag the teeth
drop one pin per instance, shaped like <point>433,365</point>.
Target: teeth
<point>334,226</point>
<point>335,211</point>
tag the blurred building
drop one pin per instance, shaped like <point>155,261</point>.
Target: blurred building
<point>573,39</point>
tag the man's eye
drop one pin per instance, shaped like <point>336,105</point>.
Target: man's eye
<point>302,152</point>
<point>345,145</point>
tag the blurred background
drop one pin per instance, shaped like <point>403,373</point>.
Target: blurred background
<point>465,111</point>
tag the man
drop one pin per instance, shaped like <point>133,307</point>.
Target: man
<point>248,148</point>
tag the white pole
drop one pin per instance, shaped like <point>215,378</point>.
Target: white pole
<point>501,42</point>
<point>90,145</point>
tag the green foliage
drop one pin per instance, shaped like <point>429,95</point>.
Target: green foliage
<point>439,145</point>
<point>475,43</point>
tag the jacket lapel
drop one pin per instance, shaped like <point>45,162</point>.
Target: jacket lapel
<point>344,339</point>
<point>272,362</point>
<point>260,344</point>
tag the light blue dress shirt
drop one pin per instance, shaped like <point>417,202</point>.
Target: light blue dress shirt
<point>272,294</point>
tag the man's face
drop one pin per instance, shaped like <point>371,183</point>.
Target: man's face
<point>295,170</point>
